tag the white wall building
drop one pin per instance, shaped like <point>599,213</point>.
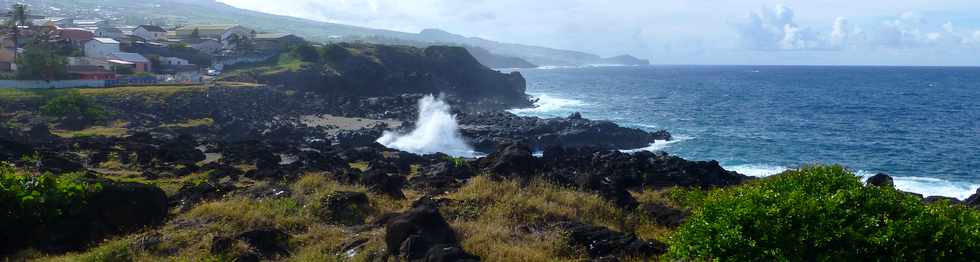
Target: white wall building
<point>101,47</point>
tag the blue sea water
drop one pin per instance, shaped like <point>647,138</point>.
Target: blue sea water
<point>920,125</point>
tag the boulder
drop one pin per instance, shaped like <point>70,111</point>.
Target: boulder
<point>510,160</point>
<point>345,208</point>
<point>412,234</point>
<point>601,242</point>
<point>881,180</point>
<point>265,243</point>
<point>57,164</point>
<point>190,194</point>
<point>118,208</point>
<point>383,183</point>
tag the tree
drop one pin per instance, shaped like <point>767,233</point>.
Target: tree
<point>17,17</point>
<point>41,61</point>
<point>306,53</point>
<point>74,109</point>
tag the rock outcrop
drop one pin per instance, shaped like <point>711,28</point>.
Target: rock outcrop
<point>423,234</point>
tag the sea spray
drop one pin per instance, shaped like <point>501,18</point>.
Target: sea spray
<point>436,131</point>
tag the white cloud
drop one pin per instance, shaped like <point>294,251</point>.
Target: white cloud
<point>679,31</point>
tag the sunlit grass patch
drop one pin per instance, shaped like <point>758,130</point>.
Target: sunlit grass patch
<point>115,129</point>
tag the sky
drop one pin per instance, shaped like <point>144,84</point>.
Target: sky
<point>812,32</point>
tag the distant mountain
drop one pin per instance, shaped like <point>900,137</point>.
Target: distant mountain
<point>176,12</point>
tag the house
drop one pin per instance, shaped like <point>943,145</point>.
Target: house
<point>150,32</point>
<point>277,40</point>
<point>138,62</point>
<point>89,61</point>
<point>110,32</point>
<point>90,24</point>
<point>127,29</point>
<point>76,36</point>
<point>173,61</point>
<point>218,32</point>
<point>101,47</point>
<point>207,46</point>
<point>91,72</point>
<point>8,54</point>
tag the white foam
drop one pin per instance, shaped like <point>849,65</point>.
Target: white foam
<point>919,185</point>
<point>436,131</point>
<point>659,145</point>
<point>928,186</point>
<point>757,170</point>
<point>548,104</point>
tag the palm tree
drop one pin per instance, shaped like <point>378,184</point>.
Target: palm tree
<point>17,17</point>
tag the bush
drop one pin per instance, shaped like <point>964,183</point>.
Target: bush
<point>825,213</point>
<point>306,53</point>
<point>74,105</point>
<point>37,199</point>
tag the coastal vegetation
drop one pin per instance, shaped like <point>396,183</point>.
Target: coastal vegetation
<point>824,213</point>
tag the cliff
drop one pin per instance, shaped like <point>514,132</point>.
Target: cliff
<point>368,70</point>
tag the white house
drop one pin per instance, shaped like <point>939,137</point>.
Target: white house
<point>109,32</point>
<point>101,47</point>
<point>150,32</point>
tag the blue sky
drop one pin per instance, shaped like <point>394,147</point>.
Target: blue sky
<point>911,32</point>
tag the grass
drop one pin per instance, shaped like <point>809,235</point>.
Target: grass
<point>11,94</point>
<point>187,236</point>
<point>116,129</point>
<point>191,123</point>
<point>363,166</point>
<point>486,214</point>
<point>491,213</point>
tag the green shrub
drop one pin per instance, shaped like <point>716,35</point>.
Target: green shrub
<point>74,104</point>
<point>825,213</point>
<point>35,199</point>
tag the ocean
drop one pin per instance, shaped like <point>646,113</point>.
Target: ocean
<point>921,125</point>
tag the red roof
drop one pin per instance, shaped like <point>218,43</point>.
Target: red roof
<point>76,34</point>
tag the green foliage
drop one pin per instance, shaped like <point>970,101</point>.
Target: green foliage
<point>306,53</point>
<point>458,162</point>
<point>824,213</point>
<point>42,61</point>
<point>27,198</point>
<point>72,104</point>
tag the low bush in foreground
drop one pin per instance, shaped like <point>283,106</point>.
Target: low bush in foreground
<point>34,199</point>
<point>825,213</point>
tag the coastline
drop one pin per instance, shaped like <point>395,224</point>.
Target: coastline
<point>554,105</point>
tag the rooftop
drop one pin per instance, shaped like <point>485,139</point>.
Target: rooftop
<point>153,28</point>
<point>105,40</point>
<point>129,57</point>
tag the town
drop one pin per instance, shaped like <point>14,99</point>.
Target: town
<point>39,51</point>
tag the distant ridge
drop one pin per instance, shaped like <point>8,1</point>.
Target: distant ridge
<point>210,11</point>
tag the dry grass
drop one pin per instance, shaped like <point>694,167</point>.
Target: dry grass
<point>191,123</point>
<point>490,217</point>
<point>491,213</point>
<point>115,129</point>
